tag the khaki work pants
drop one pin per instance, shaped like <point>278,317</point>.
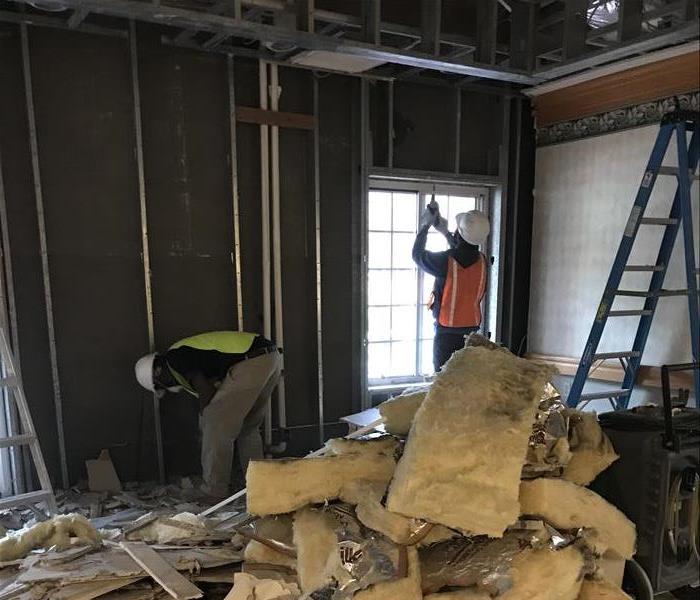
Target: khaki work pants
<point>234,415</point>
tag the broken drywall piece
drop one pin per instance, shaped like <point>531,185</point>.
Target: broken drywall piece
<point>102,476</point>
<point>566,505</point>
<point>462,462</point>
<point>248,587</point>
<point>601,590</point>
<point>283,486</point>
<point>90,590</point>
<point>398,412</point>
<point>406,588</point>
<point>162,530</point>
<point>592,451</point>
<point>546,575</point>
<point>57,532</point>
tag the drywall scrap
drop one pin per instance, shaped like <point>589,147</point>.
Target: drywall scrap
<point>468,440</point>
<point>591,450</point>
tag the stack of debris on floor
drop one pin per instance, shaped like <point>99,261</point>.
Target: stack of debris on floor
<point>148,544</point>
<point>477,492</point>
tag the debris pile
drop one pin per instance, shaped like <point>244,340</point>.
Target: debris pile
<point>476,493</point>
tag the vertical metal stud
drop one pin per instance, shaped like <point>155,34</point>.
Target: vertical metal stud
<point>145,254</point>
<point>364,191</point>
<point>319,306</point>
<point>458,129</point>
<point>234,191</point>
<point>503,171</point>
<point>43,245</point>
<point>390,124</point>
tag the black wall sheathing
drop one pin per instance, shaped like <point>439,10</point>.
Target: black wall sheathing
<point>190,212</point>
<point>519,214</point>
<point>84,110</point>
<point>424,127</point>
<point>24,246</point>
<point>88,176</point>
<point>481,131</point>
<point>379,123</point>
<point>339,176</point>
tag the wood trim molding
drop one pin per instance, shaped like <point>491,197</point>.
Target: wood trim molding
<point>259,116</point>
<point>661,79</point>
<point>610,371</point>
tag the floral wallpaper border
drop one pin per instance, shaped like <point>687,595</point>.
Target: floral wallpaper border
<point>615,120</point>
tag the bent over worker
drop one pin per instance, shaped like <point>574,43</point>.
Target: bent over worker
<point>233,374</point>
<point>460,278</point>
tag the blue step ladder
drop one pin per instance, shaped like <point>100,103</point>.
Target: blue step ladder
<point>680,218</point>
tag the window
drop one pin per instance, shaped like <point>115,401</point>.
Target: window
<point>399,325</point>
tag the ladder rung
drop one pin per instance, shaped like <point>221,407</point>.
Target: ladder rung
<point>655,221</point>
<point>674,171</point>
<point>629,313</point>
<point>16,440</point>
<point>645,268</point>
<point>643,294</point>
<point>10,381</point>
<point>606,355</point>
<point>28,498</point>
<point>603,395</point>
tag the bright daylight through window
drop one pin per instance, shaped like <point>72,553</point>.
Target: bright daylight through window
<point>400,327</point>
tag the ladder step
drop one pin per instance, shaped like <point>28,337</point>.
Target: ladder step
<point>603,395</point>
<point>6,382</point>
<point>655,221</point>
<point>674,172</point>
<point>645,267</point>
<point>643,294</point>
<point>16,440</point>
<point>606,355</point>
<point>28,498</point>
<point>629,313</point>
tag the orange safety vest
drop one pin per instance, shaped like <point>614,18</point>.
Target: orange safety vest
<point>464,289</point>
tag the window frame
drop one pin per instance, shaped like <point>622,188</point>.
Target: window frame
<point>425,191</point>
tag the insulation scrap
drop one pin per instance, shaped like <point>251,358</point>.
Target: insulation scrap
<point>398,412</point>
<point>247,587</point>
<point>566,505</point>
<point>406,588</point>
<point>318,559</point>
<point>546,575</point>
<point>601,590</point>
<point>385,445</point>
<point>463,459</point>
<point>57,532</point>
<point>592,451</point>
<point>465,594</point>
<point>283,486</point>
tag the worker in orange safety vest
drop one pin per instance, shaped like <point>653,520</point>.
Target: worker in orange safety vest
<point>460,277</point>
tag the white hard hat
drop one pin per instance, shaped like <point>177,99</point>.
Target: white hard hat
<point>144,371</point>
<point>473,226</point>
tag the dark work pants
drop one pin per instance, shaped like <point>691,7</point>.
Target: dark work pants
<point>445,344</point>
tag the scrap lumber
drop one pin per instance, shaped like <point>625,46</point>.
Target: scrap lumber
<point>463,459</point>
<point>566,505</point>
<point>601,590</point>
<point>164,574</point>
<point>283,486</point>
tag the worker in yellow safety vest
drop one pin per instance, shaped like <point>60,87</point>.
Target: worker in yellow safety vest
<point>233,374</point>
<point>460,277</point>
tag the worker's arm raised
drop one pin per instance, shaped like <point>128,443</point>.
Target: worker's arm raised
<point>433,263</point>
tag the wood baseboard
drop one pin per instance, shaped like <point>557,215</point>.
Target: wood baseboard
<point>611,371</point>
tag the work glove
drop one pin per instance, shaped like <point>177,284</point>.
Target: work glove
<point>441,225</point>
<point>427,219</point>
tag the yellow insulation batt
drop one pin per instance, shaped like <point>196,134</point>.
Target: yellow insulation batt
<point>318,558</point>
<point>56,532</point>
<point>462,462</point>
<point>397,413</point>
<point>406,588</point>
<point>282,486</point>
<point>566,505</point>
<point>591,450</point>
<point>546,575</point>
<point>601,590</point>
